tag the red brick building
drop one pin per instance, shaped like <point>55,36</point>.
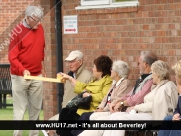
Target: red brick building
<point>120,30</point>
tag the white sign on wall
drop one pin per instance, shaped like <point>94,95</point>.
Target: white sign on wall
<point>70,24</point>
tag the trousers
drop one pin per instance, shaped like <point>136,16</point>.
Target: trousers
<point>169,132</point>
<point>68,115</point>
<point>84,116</point>
<point>26,95</point>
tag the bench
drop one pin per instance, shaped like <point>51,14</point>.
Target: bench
<point>5,84</point>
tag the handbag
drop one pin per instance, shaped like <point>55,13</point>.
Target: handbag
<point>80,102</point>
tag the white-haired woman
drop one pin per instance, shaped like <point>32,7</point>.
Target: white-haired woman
<point>120,87</point>
<point>177,113</point>
<point>164,93</point>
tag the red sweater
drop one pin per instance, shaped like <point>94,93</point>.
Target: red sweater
<point>26,50</point>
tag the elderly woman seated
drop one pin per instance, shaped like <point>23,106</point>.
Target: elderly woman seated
<point>163,93</point>
<point>97,88</point>
<point>121,87</point>
<point>177,112</point>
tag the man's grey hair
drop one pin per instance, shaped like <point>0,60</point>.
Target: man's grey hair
<point>34,10</point>
<point>149,57</point>
<point>121,68</point>
<point>79,58</point>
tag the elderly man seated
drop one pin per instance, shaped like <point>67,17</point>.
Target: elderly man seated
<point>134,97</point>
<point>78,71</point>
<point>164,93</point>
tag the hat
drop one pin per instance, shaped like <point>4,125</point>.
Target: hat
<point>73,55</point>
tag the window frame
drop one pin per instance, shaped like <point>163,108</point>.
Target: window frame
<point>123,2</point>
<point>111,4</point>
<point>94,3</point>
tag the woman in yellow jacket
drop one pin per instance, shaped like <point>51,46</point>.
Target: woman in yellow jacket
<point>97,88</point>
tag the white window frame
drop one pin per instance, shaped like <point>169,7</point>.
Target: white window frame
<point>105,4</point>
<point>93,2</point>
<point>123,2</point>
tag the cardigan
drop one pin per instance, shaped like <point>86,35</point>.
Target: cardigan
<point>161,101</point>
<point>121,88</point>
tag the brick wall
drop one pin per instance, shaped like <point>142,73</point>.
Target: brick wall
<point>12,14</point>
<point>122,33</point>
<point>50,91</point>
<point>10,10</point>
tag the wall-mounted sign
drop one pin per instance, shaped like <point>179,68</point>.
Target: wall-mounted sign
<point>70,24</point>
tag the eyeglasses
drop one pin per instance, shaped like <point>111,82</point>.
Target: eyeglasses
<point>38,20</point>
<point>142,62</point>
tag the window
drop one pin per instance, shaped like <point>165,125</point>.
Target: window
<point>123,2</point>
<point>94,2</point>
<point>91,4</point>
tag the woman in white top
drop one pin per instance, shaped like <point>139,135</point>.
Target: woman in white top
<point>164,93</point>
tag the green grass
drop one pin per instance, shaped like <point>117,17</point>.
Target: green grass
<point>7,114</point>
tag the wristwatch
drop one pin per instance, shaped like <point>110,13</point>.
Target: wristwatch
<point>122,103</point>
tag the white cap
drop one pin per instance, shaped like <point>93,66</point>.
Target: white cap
<point>73,55</point>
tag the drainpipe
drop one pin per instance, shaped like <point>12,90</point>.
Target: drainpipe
<point>59,55</point>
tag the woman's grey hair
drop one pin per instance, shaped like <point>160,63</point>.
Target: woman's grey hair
<point>34,10</point>
<point>149,57</point>
<point>121,68</point>
<point>177,68</point>
<point>160,68</point>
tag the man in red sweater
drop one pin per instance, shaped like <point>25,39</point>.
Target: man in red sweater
<point>26,55</point>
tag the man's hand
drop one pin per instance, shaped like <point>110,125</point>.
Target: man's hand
<point>43,73</point>
<point>176,117</point>
<point>26,72</point>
